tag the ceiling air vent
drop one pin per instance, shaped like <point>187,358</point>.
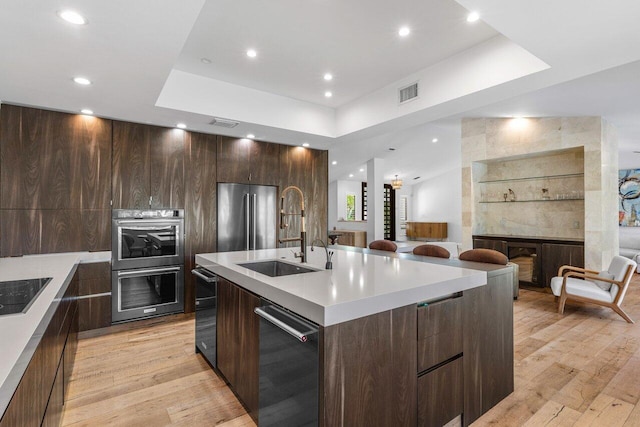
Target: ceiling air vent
<point>408,93</point>
<point>225,123</point>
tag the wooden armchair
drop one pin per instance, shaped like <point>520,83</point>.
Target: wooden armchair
<point>606,288</point>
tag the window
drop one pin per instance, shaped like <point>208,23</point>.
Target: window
<point>389,212</point>
<point>402,213</point>
<point>351,207</point>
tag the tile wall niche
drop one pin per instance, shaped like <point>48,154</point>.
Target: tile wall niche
<point>503,154</point>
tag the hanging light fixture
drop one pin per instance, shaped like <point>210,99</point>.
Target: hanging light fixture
<point>396,184</point>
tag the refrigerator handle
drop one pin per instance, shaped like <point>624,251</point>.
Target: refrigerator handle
<point>247,222</point>
<point>254,219</point>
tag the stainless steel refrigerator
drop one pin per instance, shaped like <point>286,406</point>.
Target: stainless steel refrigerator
<point>247,217</point>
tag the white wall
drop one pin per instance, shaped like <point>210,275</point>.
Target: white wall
<point>439,199</point>
<point>338,191</point>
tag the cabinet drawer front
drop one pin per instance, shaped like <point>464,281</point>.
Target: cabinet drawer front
<point>440,394</point>
<point>439,332</point>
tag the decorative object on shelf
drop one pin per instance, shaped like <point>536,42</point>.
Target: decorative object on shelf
<point>545,194</point>
<point>396,184</point>
<point>629,197</point>
<point>513,195</point>
<point>505,195</point>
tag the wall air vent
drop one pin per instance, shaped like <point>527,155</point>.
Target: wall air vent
<point>225,123</point>
<point>408,93</point>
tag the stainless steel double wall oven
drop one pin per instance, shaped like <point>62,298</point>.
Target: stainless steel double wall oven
<point>147,250</point>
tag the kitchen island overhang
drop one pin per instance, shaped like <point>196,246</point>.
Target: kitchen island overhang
<point>359,284</point>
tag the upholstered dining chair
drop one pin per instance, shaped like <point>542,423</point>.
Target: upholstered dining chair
<point>431,250</point>
<point>606,288</point>
<point>383,245</point>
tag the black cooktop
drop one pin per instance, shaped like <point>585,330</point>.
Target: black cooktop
<point>16,296</point>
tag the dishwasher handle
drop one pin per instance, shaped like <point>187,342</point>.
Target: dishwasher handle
<point>301,336</point>
<point>207,279</point>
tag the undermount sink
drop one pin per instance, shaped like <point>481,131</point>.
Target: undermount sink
<point>276,268</point>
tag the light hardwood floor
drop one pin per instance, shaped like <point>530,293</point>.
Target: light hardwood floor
<point>581,368</point>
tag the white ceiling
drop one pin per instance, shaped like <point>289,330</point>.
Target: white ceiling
<point>134,51</point>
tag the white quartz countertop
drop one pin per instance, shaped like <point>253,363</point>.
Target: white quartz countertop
<point>16,330</point>
<point>358,285</point>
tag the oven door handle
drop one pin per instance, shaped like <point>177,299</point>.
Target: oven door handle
<point>143,228</point>
<point>147,271</point>
<point>148,221</point>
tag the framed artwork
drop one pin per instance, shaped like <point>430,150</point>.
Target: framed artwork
<point>629,198</point>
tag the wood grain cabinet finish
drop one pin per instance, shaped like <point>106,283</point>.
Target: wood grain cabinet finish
<point>439,332</point>
<point>238,330</point>
<point>148,166</point>
<point>200,207</point>
<point>556,255</point>
<point>94,304</point>
<point>441,395</point>
<point>248,162</point>
<point>496,245</point>
<point>487,345</point>
<point>427,230</point>
<point>55,182</point>
<point>42,384</point>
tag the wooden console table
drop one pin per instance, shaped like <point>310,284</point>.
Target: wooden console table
<point>426,230</point>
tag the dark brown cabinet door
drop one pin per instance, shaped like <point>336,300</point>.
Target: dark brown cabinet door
<point>233,164</point>
<point>496,245</point>
<point>53,414</point>
<point>148,166</point>
<point>237,342</point>
<point>264,163</point>
<point>440,394</point>
<point>556,255</point>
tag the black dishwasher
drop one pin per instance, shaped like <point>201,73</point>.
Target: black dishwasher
<point>288,393</point>
<point>206,311</point>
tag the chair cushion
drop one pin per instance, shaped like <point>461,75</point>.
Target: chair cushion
<point>582,288</point>
<point>605,286</point>
<point>383,245</point>
<point>618,267</point>
<point>431,250</point>
<point>484,255</point>
<point>629,253</point>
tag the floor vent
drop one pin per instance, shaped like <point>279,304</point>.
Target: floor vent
<point>408,93</point>
<point>225,123</point>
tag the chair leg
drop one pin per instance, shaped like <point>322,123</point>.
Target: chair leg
<point>561,302</point>
<point>621,312</point>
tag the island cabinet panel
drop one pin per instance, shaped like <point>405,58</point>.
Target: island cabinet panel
<point>368,371</point>
<point>439,332</point>
<point>440,394</point>
<point>487,345</point>
<point>238,331</point>
<point>200,207</point>
<point>39,396</point>
<point>148,166</point>
<point>248,162</point>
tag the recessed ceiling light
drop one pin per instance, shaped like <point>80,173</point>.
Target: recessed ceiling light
<point>251,53</point>
<point>434,140</point>
<point>334,163</point>
<point>86,111</point>
<point>181,126</point>
<point>350,175</point>
<point>72,17</point>
<point>361,169</point>
<point>305,144</point>
<point>404,31</point>
<point>82,81</point>
<point>250,136</point>
<point>328,76</point>
<point>205,61</point>
<point>328,94</point>
<point>473,17</point>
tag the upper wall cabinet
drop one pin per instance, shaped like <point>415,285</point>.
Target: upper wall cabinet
<point>54,160</point>
<point>148,166</point>
<point>248,162</point>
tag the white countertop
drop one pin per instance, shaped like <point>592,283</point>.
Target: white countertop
<point>17,329</point>
<point>359,284</point>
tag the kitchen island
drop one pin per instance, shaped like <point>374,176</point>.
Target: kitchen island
<point>401,342</point>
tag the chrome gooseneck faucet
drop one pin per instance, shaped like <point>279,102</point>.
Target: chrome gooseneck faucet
<point>329,264</point>
<point>283,224</point>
